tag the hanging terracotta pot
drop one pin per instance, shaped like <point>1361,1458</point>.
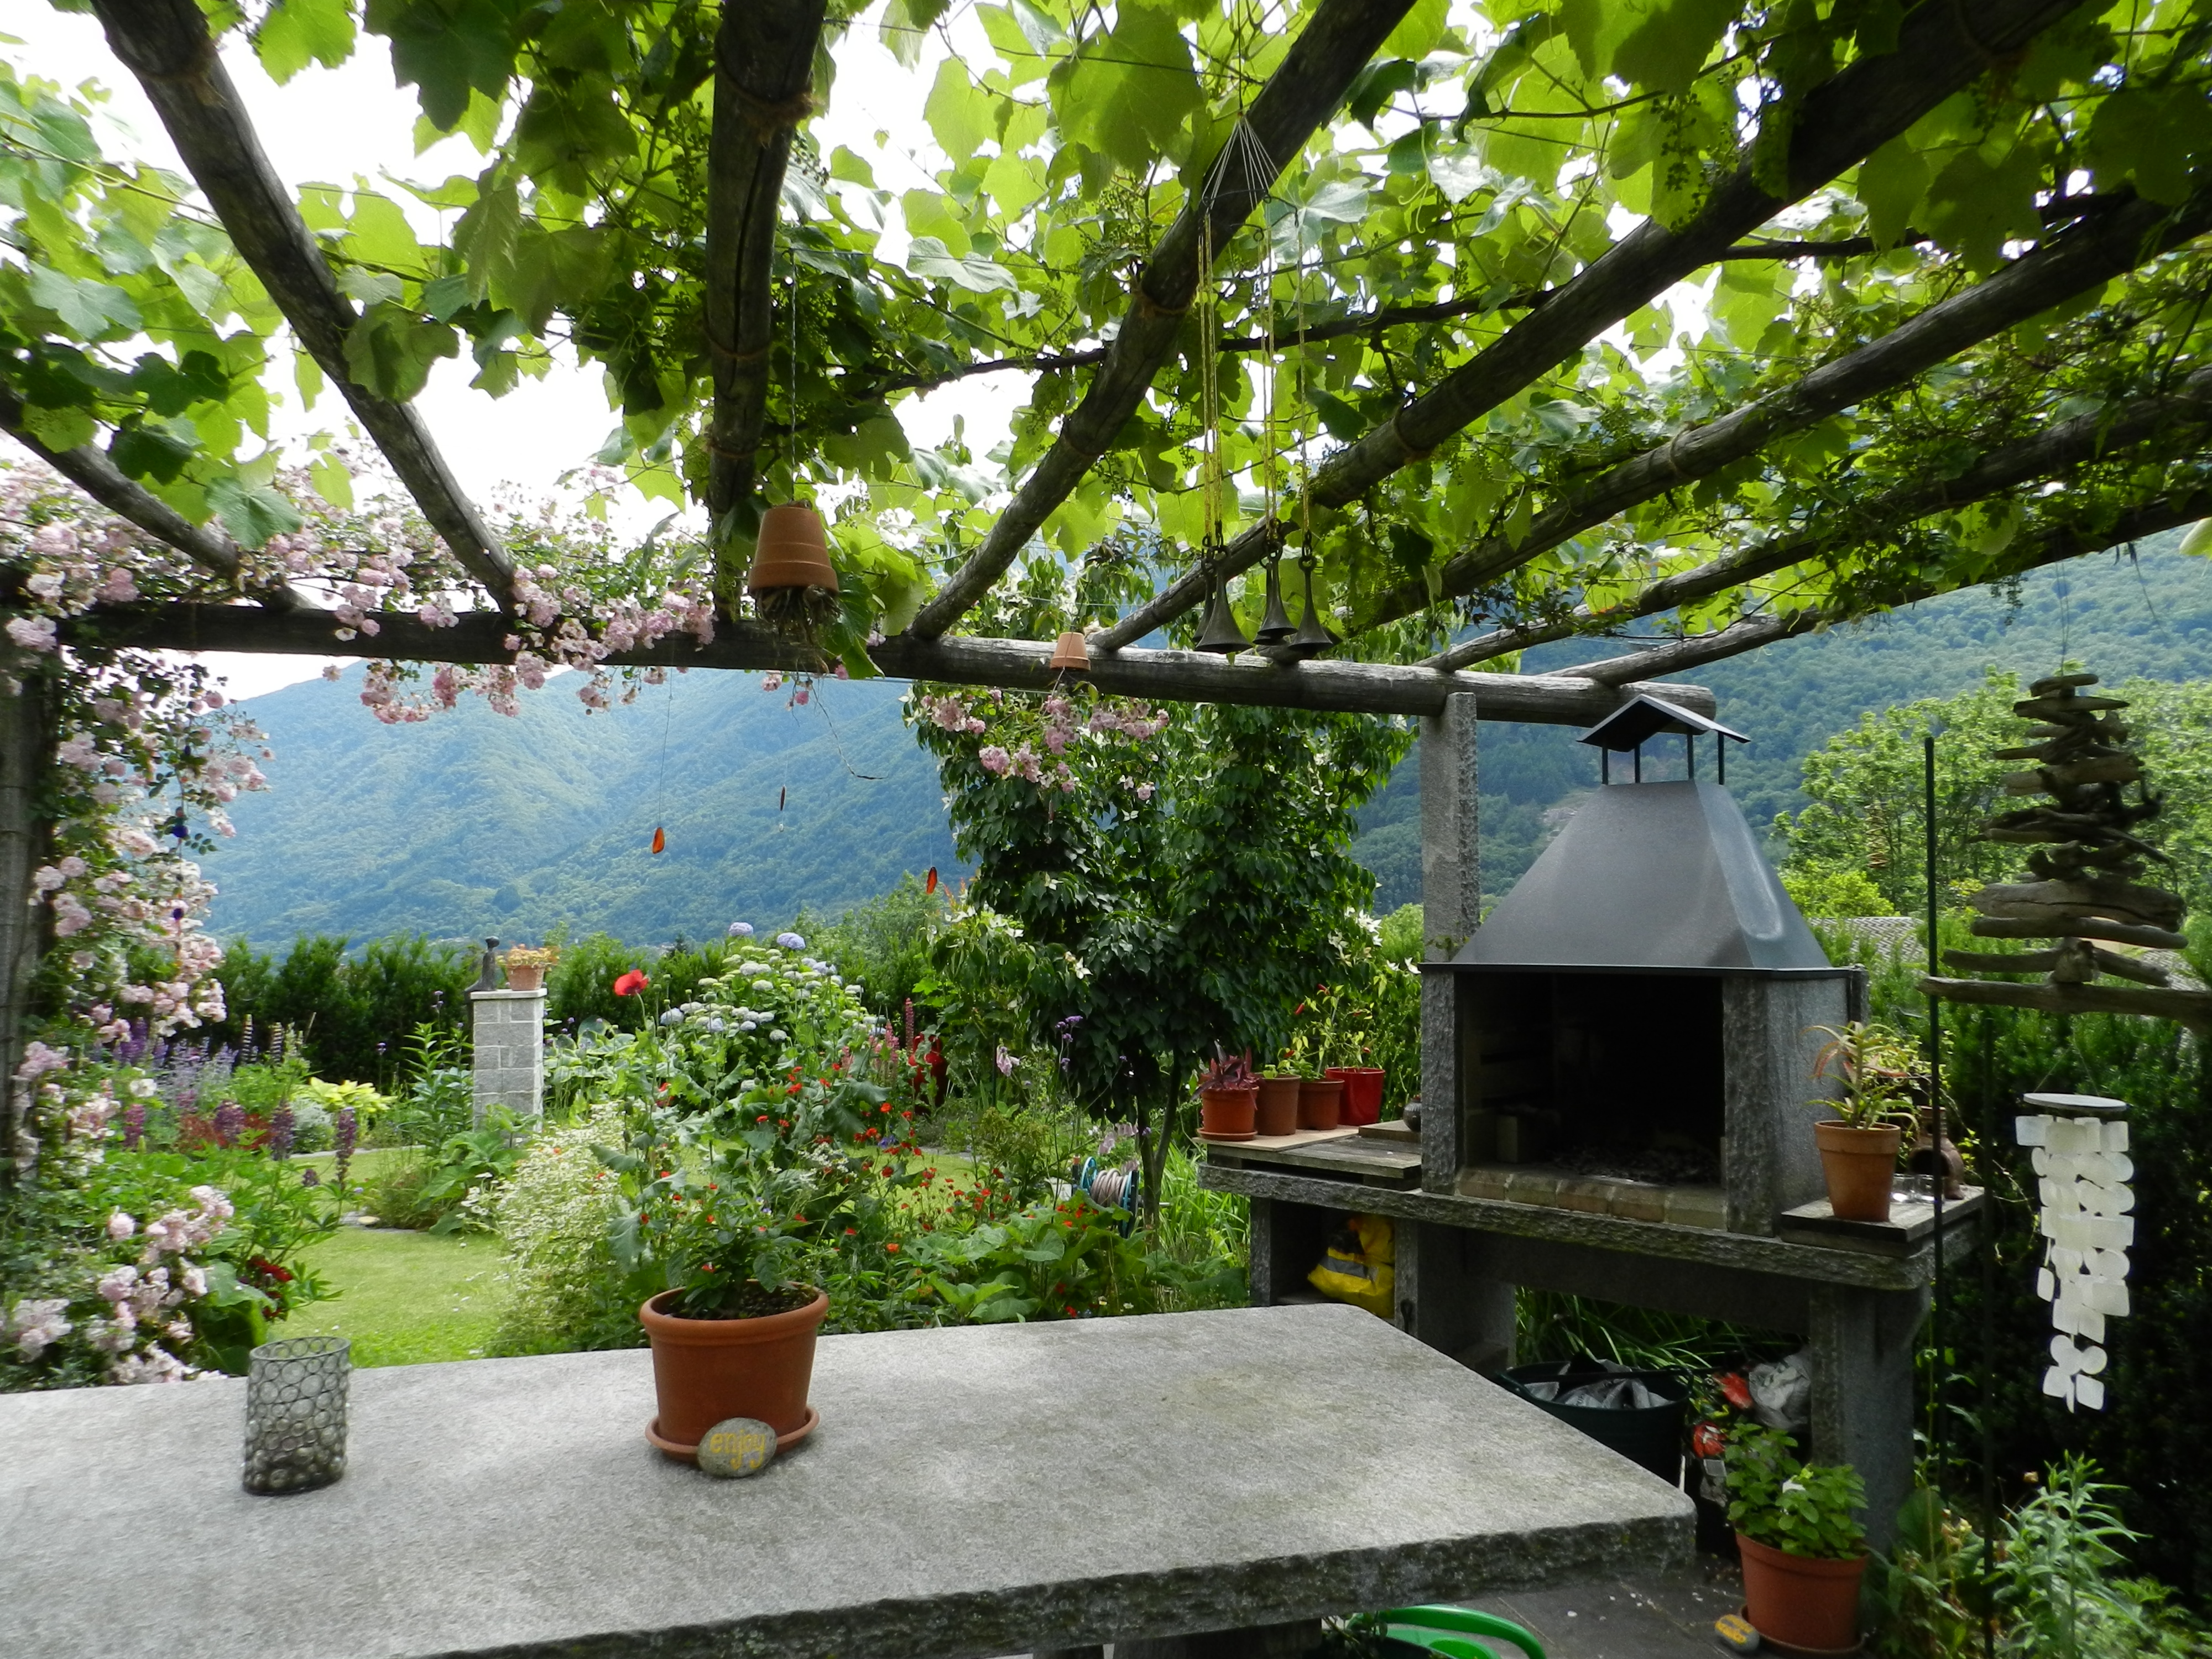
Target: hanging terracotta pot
<point>706,1371</point>
<point>1318,1101</point>
<point>1069,654</point>
<point>1227,1113</point>
<point>1800,1601</point>
<point>1279,1106</point>
<point>793,551</point>
<point>1858,1165</point>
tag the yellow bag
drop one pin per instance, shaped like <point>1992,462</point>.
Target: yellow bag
<point>1358,1268</point>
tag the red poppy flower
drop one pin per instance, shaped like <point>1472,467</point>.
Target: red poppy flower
<point>631,983</point>
<point>1707,1440</point>
<point>1737,1390</point>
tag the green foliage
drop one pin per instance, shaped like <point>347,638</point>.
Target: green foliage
<point>1867,822</point>
<point>346,1008</point>
<point>1798,1507</point>
<point>882,945</point>
<point>1880,1073</point>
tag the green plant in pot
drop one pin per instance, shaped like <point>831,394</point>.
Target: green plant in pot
<point>727,1217</point>
<point>1278,1099</point>
<point>1879,1072</point>
<point>1803,1549</point>
<point>1227,1097</point>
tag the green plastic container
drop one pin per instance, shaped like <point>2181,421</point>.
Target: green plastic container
<point>1650,1436</point>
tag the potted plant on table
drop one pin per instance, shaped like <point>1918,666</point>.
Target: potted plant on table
<point>1279,1102</point>
<point>1858,1147</point>
<point>526,965</point>
<point>1228,1098</point>
<point>1803,1549</point>
<point>729,1220</point>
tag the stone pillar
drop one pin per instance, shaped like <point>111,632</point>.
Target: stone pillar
<point>510,1051</point>
<point>1452,908</point>
<point>1862,1349</point>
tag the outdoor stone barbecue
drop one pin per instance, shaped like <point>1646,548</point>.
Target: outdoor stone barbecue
<point>1617,1079</point>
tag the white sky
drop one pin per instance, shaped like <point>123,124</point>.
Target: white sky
<point>329,126</point>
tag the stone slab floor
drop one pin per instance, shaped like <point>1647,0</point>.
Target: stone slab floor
<point>1668,1617</point>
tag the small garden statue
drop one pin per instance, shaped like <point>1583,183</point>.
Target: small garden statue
<point>488,967</point>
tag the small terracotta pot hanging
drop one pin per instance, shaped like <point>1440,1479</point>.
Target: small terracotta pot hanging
<point>793,551</point>
<point>1070,654</point>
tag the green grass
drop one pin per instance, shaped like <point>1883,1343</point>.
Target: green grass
<point>404,1298</point>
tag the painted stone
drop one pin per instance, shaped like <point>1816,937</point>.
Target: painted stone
<point>737,1446</point>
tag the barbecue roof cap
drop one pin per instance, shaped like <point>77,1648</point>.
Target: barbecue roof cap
<point>1652,876</point>
<point>1643,717</point>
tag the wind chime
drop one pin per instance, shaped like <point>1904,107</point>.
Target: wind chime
<point>2079,1143</point>
<point>794,585</point>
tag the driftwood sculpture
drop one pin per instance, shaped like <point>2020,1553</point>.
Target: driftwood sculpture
<point>2088,862</point>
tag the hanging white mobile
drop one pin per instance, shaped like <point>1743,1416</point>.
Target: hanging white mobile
<point>2080,1145</point>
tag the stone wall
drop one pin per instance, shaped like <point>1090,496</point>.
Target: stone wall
<point>510,1051</point>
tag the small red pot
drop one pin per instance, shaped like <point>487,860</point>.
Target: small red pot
<point>1227,1113</point>
<point>1801,1602</point>
<point>1362,1093</point>
<point>1279,1106</point>
<point>1319,1099</point>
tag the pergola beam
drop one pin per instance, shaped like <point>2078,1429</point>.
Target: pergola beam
<point>1018,664</point>
<point>1322,63</point>
<point>1941,49</point>
<point>2108,247</point>
<point>2055,451</point>
<point>90,469</point>
<point>763,66</point>
<point>166,44</point>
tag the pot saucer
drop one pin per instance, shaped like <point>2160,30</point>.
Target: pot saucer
<point>1856,1648</point>
<point>687,1452</point>
<point>1254,1135</point>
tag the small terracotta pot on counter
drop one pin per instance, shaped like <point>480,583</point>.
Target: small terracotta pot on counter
<point>1319,1099</point>
<point>705,1371</point>
<point>1801,1602</point>
<point>1227,1113</point>
<point>1858,1165</point>
<point>1279,1106</point>
<point>530,978</point>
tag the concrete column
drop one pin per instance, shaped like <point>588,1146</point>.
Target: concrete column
<point>1450,1296</point>
<point>510,1051</point>
<point>1863,1351</point>
<point>1452,908</point>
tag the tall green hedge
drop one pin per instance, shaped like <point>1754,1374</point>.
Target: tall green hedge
<point>354,1010</point>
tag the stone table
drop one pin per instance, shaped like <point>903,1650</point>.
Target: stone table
<point>974,1491</point>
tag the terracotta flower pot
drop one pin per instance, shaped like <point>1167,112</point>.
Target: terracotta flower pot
<point>1279,1105</point>
<point>1319,1099</point>
<point>792,551</point>
<point>1859,1165</point>
<point>1362,1101</point>
<point>1800,1601</point>
<point>532,978</point>
<point>1227,1113</point>
<point>707,1369</point>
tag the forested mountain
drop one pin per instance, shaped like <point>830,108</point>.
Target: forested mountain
<point>470,823</point>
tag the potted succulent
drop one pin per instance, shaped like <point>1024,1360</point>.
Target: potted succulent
<point>1803,1549</point>
<point>1228,1098</point>
<point>1279,1102</point>
<point>1858,1147</point>
<point>526,965</point>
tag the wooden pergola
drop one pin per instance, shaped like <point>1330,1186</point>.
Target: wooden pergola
<point>764,52</point>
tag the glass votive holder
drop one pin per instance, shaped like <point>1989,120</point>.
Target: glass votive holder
<point>295,1414</point>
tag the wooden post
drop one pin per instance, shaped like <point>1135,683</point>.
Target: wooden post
<point>1451,887</point>
<point>26,740</point>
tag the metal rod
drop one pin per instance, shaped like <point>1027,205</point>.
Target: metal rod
<point>1605,766</point>
<point>1720,758</point>
<point>1640,762</point>
<point>1935,1110</point>
<point>1690,755</point>
<point>1989,1220</point>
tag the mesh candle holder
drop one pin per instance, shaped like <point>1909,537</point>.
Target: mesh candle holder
<point>295,1414</point>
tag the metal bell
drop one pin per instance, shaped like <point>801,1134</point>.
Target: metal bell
<point>1221,634</point>
<point>1312,637</point>
<point>1275,626</point>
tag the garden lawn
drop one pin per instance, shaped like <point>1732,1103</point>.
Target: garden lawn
<point>405,1298</point>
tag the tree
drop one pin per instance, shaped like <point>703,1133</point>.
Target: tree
<point>1180,881</point>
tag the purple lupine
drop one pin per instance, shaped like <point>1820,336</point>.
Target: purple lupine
<point>279,1132</point>
<point>309,1178</point>
<point>229,1123</point>
<point>134,1125</point>
<point>346,1131</point>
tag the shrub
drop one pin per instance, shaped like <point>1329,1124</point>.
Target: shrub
<point>552,1216</point>
<point>347,1007</point>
